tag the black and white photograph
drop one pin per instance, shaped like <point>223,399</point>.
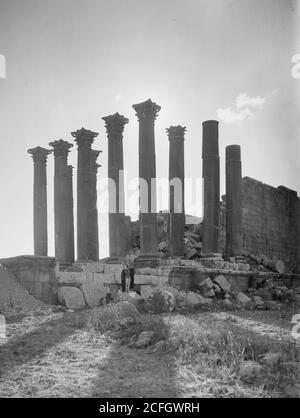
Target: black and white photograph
<point>150,202</point>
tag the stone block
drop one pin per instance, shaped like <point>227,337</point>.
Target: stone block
<point>93,293</point>
<point>71,297</point>
<point>223,283</point>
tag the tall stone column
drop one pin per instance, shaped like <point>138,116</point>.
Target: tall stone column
<point>40,233</point>
<point>61,205</point>
<point>176,222</point>
<point>84,139</point>
<point>211,186</point>
<point>70,219</point>
<point>233,201</point>
<point>94,232</point>
<point>117,233</point>
<point>147,112</point>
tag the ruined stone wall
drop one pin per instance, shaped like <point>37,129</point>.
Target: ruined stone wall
<point>271,222</point>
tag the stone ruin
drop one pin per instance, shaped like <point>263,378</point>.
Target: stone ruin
<point>250,236</point>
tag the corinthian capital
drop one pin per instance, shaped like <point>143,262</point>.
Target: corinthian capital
<point>39,155</point>
<point>84,137</point>
<point>147,110</point>
<point>61,148</point>
<point>176,132</point>
<point>115,124</point>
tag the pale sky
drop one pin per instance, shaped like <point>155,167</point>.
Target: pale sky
<point>71,62</point>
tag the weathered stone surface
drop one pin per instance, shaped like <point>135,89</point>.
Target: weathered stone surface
<point>71,297</point>
<point>251,372</point>
<point>93,293</point>
<point>223,283</point>
<point>160,301</point>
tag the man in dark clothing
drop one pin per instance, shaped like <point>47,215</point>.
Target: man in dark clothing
<point>130,263</point>
<point>124,276</point>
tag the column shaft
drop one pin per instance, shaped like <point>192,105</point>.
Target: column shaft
<point>176,222</point>
<point>61,203</point>
<point>146,113</point>
<point>233,201</point>
<point>70,219</point>
<point>84,139</point>
<point>40,229</point>
<point>211,187</point>
<point>117,231</point>
<point>94,231</point>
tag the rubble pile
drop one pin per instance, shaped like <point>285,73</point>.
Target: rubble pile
<point>14,299</point>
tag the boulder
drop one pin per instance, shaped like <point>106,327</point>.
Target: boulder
<point>94,293</point>
<point>160,301</point>
<point>206,287</point>
<point>71,297</point>
<point>242,298</point>
<point>135,299</point>
<point>223,283</point>
<point>251,372</point>
<point>144,339</point>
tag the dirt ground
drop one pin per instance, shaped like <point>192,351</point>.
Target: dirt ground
<point>55,355</point>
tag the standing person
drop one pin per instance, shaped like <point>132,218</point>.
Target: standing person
<point>131,259</point>
<point>124,276</point>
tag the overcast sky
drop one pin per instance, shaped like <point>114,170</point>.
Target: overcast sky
<point>70,62</point>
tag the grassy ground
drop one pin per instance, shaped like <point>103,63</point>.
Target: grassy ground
<point>68,355</point>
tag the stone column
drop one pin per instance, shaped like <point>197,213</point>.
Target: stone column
<point>233,201</point>
<point>176,222</point>
<point>128,235</point>
<point>70,220</point>
<point>94,233</point>
<point>211,186</point>
<point>147,112</point>
<point>40,234</point>
<point>117,240</point>
<point>61,205</point>
<point>84,139</point>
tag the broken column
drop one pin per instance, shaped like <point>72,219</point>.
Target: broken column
<point>61,205</point>
<point>176,191</point>
<point>94,234</point>
<point>233,201</point>
<point>117,233</point>
<point>40,234</point>
<point>70,219</point>
<point>211,187</point>
<point>147,112</point>
<point>84,139</point>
